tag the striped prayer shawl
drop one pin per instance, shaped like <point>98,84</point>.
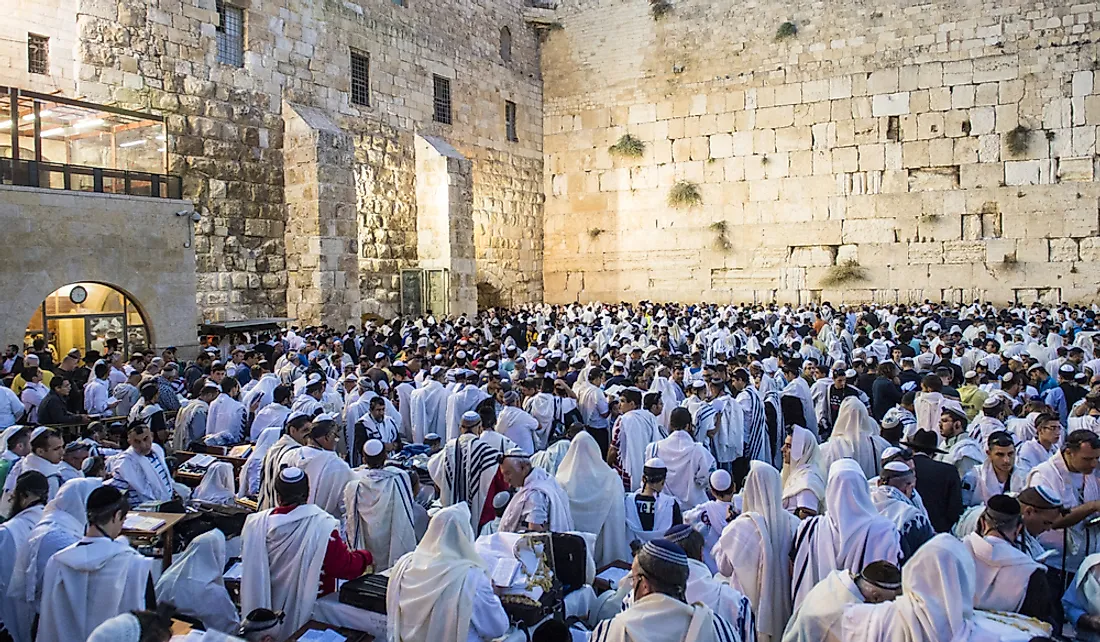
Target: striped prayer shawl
<point>469,459</point>
<point>778,431</point>
<point>757,445</point>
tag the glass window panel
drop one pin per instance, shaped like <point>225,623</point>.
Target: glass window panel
<point>101,299</point>
<point>137,338</point>
<point>5,125</point>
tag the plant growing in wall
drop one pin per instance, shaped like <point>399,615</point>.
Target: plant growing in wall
<point>595,232</point>
<point>722,241</point>
<point>659,8</point>
<point>842,273</point>
<point>1009,262</point>
<point>786,30</point>
<point>628,146</point>
<point>1018,140</point>
<point>684,194</point>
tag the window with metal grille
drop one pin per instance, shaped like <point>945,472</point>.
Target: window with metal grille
<point>38,54</point>
<point>510,120</point>
<point>360,78</point>
<point>230,34</point>
<point>442,87</point>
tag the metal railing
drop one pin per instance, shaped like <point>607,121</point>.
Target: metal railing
<point>81,178</point>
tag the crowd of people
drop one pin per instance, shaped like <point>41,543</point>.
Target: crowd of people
<point>920,473</point>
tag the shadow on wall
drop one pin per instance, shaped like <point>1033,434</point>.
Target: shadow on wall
<point>488,296</point>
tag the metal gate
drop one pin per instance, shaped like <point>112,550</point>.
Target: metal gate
<point>424,290</point>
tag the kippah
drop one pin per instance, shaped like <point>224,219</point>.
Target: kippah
<point>470,415</point>
<point>890,452</point>
<point>379,355</point>
<point>210,385</point>
<point>291,475</point>
<point>1039,497</point>
<point>372,448</point>
<point>517,453</point>
<point>970,374</point>
<point>436,369</point>
<point>882,574</point>
<point>721,481</point>
<point>38,432</point>
<point>74,446</point>
<point>102,498</point>
<point>678,533</point>
<point>1003,504</point>
<point>1066,368</point>
<point>655,462</point>
<point>992,401</point>
<point>324,416</point>
<point>431,437</point>
<point>665,551</point>
<point>313,379</point>
<point>698,383</point>
<point>500,500</point>
<point>897,467</point>
<point>511,396</point>
<point>87,465</point>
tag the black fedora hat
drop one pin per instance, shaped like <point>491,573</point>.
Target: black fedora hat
<point>924,441</point>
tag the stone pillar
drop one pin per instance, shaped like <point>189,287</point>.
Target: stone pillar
<point>444,219</point>
<point>321,229</point>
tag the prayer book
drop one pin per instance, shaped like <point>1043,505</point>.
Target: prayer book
<point>234,572</point>
<point>240,452</point>
<point>613,575</point>
<point>200,461</point>
<point>137,522</point>
<point>328,635</point>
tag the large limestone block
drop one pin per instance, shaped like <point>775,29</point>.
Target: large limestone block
<point>923,253</point>
<point>963,252</point>
<point>872,230</point>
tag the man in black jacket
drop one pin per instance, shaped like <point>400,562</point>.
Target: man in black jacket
<point>937,482</point>
<point>53,410</point>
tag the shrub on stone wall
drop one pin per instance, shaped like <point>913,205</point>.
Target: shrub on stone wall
<point>845,272</point>
<point>786,30</point>
<point>628,146</point>
<point>685,194</point>
<point>1018,140</point>
<point>659,8</point>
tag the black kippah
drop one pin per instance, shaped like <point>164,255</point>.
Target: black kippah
<point>882,574</point>
<point>1003,504</point>
<point>103,498</point>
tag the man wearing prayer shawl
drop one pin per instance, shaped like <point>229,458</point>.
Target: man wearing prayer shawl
<point>328,473</point>
<point>465,397</point>
<point>465,470</point>
<point>29,498</point>
<point>15,443</point>
<point>1069,474</point>
<point>703,588</point>
<point>539,502</point>
<point>375,424</point>
<point>295,435</point>
<point>799,389</point>
<point>999,474</point>
<point>228,418</point>
<point>47,450</point>
<point>515,424</point>
<point>290,552</point>
<point>753,551</point>
<point>989,422</point>
<point>893,498</point>
<point>192,418</point>
<point>710,517</point>
<point>855,436</point>
<point>658,611</point>
<point>441,591</point>
<point>1042,443</point>
<point>274,414</point>
<point>1081,600</point>
<point>194,584</point>
<point>757,440</point>
<point>142,469</point>
<point>728,443</point>
<point>703,414</point>
<point>669,392</point>
<point>649,511</point>
<point>820,616</point>
<point>379,501</point>
<point>689,462</point>
<point>963,452</point>
<point>803,481</point>
<point>97,578</point>
<point>850,535</point>
<point>594,492</point>
<point>635,429</point>
<point>428,406</point>
<point>1006,578</point>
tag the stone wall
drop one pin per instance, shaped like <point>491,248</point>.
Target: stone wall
<point>226,127</point>
<point>876,136</point>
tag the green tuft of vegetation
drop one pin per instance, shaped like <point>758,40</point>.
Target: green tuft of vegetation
<point>786,30</point>
<point>595,232</point>
<point>660,8</point>
<point>845,272</point>
<point>1018,140</point>
<point>628,146</point>
<point>685,194</point>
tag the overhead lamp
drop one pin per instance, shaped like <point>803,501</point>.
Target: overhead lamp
<point>91,122</point>
<point>133,143</point>
<point>53,132</point>
<point>42,114</point>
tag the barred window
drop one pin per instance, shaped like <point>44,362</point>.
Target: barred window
<point>510,121</point>
<point>360,78</point>
<point>442,87</point>
<point>38,54</point>
<point>230,34</point>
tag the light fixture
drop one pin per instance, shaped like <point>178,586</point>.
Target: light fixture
<point>133,143</point>
<point>91,122</point>
<point>53,132</point>
<point>4,124</point>
<point>160,137</point>
<point>42,114</point>
<point>162,149</point>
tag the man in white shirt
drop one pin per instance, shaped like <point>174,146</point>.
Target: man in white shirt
<point>274,414</point>
<point>689,463</point>
<point>376,424</point>
<point>428,406</point>
<point>328,473</point>
<point>142,468</point>
<point>379,501</point>
<point>192,418</point>
<point>516,424</point>
<point>228,417</point>
<point>594,408</point>
<point>97,391</point>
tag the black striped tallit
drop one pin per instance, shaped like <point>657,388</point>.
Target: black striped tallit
<point>756,426</point>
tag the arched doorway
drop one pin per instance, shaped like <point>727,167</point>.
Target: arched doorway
<point>88,316</point>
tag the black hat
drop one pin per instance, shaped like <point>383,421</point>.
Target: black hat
<point>259,620</point>
<point>882,574</point>
<point>924,441</point>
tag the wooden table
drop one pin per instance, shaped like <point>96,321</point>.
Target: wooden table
<point>193,479</point>
<point>351,634</point>
<point>166,532</point>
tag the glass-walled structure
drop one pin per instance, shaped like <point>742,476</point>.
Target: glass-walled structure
<point>88,316</point>
<point>54,142</point>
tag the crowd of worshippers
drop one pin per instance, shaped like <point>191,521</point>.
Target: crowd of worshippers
<point>853,473</point>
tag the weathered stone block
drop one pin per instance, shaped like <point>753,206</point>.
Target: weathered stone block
<point>964,252</point>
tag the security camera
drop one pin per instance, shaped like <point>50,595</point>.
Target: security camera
<point>196,217</point>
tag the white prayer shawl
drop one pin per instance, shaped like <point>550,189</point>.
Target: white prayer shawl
<point>541,407</point>
<point>227,416</point>
<point>328,475</point>
<point>265,389</point>
<point>850,535</point>
<point>216,486</point>
<point>89,583</point>
<point>984,426</point>
<point>594,489</point>
<point>1086,585</point>
<point>140,476</point>
<point>660,618</point>
<point>637,429</point>
<point>549,459</point>
<point>463,472</point>
<point>753,550</point>
<point>669,398</point>
<point>520,427</point>
<point>726,601</point>
<point>195,586</point>
<point>728,443</point>
<point>190,424</point>
<point>1031,453</point>
<point>689,467</point>
<point>404,403</point>
<point>431,596</point>
<point>539,481</point>
<point>1054,475</point>
<point>709,519</point>
<point>248,481</point>
<point>963,453</point>
<point>460,402</point>
<point>1002,573</point>
<point>703,416</point>
<point>428,410</point>
<point>662,517</point>
<point>855,436</point>
<point>985,484</point>
<point>64,515</point>
<point>804,473</point>
<point>800,389</point>
<point>282,557</point>
<point>269,470</point>
<point>16,613</point>
<point>30,462</point>
<point>892,504</point>
<point>936,604</point>
<point>820,616</point>
<point>380,514</point>
<point>928,406</point>
<point>273,415</point>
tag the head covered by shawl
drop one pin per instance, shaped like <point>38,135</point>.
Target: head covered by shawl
<point>854,436</point>
<point>804,472</point>
<point>763,503</point>
<point>216,486</point>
